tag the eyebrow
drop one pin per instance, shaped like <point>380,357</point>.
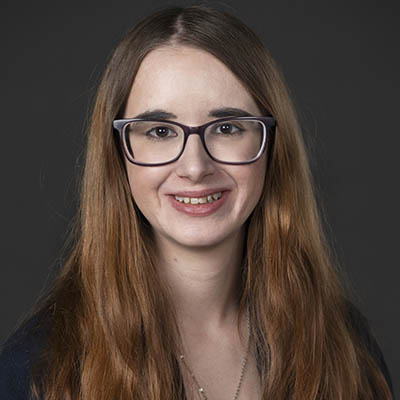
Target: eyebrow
<point>217,113</point>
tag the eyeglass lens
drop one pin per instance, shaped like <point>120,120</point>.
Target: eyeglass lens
<point>153,142</point>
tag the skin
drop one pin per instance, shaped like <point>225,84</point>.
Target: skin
<point>199,255</point>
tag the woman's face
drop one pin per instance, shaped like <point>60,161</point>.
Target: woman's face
<point>191,83</point>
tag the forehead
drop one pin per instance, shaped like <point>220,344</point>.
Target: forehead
<point>188,82</point>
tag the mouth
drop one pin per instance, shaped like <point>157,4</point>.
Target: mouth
<point>199,203</point>
<point>210,198</point>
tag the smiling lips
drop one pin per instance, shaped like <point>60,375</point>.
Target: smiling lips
<point>198,203</point>
<point>199,200</point>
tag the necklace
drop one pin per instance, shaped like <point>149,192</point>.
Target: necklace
<point>201,390</point>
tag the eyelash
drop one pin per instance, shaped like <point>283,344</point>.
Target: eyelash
<point>232,125</point>
<point>149,133</point>
<point>153,137</point>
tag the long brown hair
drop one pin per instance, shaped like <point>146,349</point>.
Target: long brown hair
<point>112,327</point>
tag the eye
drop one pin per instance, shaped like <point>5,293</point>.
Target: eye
<point>227,129</point>
<point>161,132</point>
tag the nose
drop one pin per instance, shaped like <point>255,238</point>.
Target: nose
<point>194,163</point>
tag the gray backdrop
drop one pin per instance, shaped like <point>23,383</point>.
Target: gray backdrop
<point>341,62</point>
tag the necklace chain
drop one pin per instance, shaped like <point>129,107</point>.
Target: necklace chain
<point>201,390</point>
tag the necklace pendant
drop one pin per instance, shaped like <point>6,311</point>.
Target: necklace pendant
<point>202,394</point>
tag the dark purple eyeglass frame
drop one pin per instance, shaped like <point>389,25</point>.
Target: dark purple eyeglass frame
<point>268,140</point>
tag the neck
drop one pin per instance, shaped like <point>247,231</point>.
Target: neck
<point>204,282</point>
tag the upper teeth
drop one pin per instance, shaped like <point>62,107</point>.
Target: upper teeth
<point>199,200</point>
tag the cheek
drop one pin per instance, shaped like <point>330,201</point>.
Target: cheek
<point>144,183</point>
<point>252,183</point>
<point>259,180</point>
<point>135,181</point>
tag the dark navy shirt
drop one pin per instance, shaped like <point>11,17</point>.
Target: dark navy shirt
<point>16,359</point>
<point>20,351</point>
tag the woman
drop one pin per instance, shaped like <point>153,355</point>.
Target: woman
<point>199,267</point>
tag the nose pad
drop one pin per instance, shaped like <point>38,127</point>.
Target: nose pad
<point>194,163</point>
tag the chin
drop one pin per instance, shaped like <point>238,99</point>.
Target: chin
<point>197,243</point>
<point>195,238</point>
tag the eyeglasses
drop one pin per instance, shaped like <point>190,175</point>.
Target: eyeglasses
<point>238,140</point>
